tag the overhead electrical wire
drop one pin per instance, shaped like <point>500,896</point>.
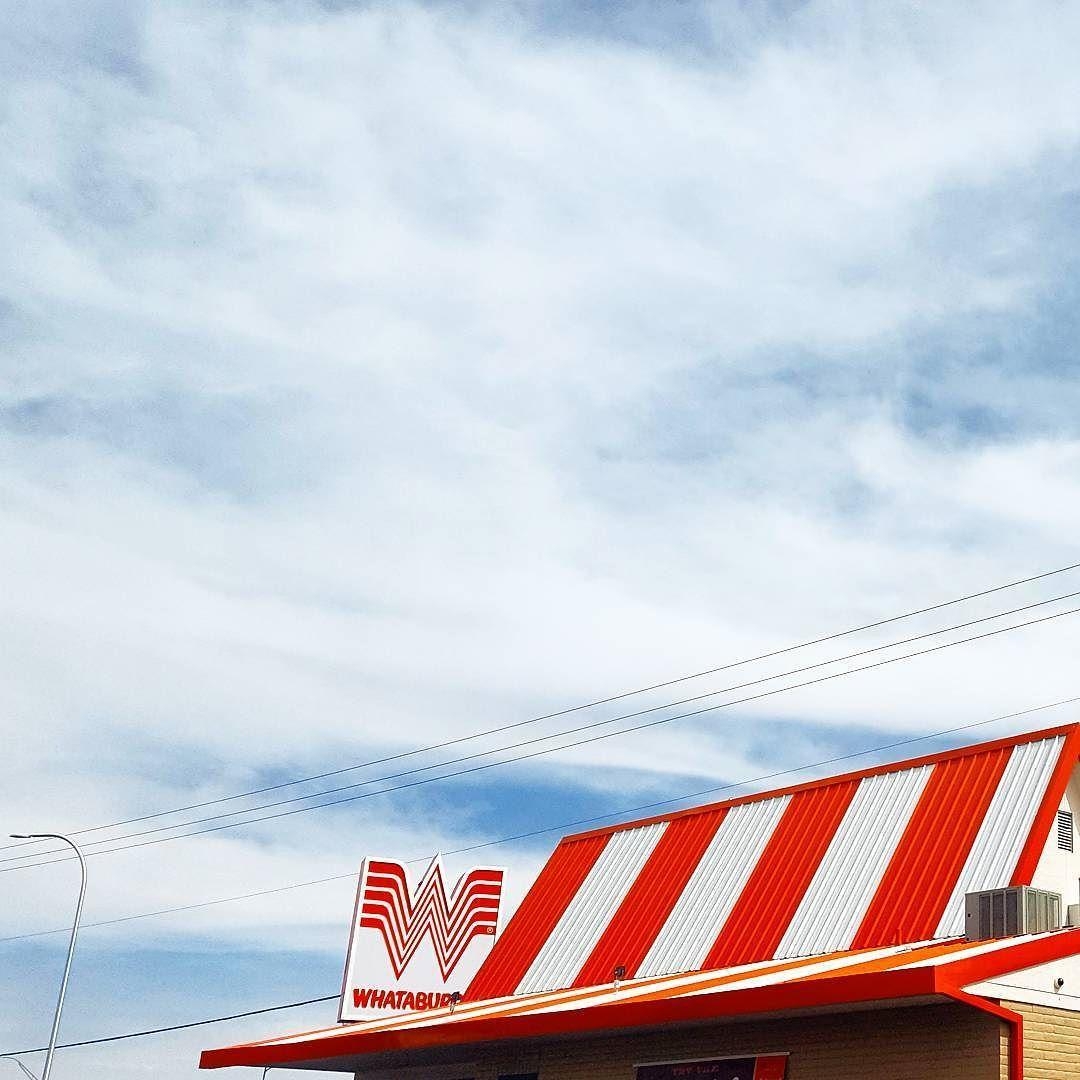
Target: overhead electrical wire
<point>174,1027</point>
<point>580,742</point>
<point>555,735</point>
<point>333,997</point>
<point>576,708</point>
<point>566,824</point>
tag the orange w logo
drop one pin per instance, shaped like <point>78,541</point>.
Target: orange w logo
<point>403,919</point>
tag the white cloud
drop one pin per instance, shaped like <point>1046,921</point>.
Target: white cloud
<point>375,375</point>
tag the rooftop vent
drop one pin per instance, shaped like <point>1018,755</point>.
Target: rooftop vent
<point>999,913</point>
<point>1064,830</point>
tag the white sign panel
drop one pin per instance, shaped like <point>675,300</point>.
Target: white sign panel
<point>412,949</point>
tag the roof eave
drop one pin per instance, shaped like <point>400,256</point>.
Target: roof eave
<point>852,990</point>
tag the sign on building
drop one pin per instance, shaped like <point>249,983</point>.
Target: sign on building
<point>768,1067</point>
<point>413,949</point>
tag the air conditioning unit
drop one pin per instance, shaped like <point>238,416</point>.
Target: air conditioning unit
<point>999,913</point>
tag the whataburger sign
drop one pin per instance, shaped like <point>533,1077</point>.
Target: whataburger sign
<point>413,949</point>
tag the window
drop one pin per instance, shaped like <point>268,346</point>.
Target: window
<point>1065,831</point>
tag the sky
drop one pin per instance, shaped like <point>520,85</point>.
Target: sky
<point>376,374</point>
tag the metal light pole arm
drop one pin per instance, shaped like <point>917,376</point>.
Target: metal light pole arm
<point>71,946</point>
<point>8,1057</point>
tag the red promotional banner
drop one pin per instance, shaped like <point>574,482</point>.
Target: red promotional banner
<point>768,1067</point>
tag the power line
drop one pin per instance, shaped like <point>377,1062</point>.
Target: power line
<point>175,1027</point>
<point>555,735</point>
<point>568,824</point>
<point>334,997</point>
<point>576,708</point>
<point>580,742</point>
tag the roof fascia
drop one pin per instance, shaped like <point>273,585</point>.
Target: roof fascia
<point>762,1000</point>
<point>1044,819</point>
<point>964,971</point>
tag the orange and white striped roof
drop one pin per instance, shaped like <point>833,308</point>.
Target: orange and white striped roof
<point>854,862</point>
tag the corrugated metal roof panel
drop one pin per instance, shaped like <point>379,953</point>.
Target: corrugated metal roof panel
<point>689,932</point>
<point>1005,826</point>
<point>763,912</point>
<point>920,876</point>
<point>535,918</point>
<point>652,897</point>
<point>586,916</point>
<point>836,900</point>
<point>870,859</point>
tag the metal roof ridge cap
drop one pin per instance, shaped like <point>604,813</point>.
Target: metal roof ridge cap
<point>839,778</point>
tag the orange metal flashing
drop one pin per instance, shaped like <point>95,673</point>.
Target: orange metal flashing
<point>1044,820</point>
<point>1013,1019</point>
<point>910,976</point>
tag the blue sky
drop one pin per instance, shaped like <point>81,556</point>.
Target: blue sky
<point>377,373</point>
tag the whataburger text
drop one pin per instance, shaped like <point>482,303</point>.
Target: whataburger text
<point>412,949</point>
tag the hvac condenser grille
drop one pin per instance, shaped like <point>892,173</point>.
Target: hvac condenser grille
<point>1065,830</point>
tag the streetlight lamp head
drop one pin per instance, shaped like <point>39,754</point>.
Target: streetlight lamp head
<point>21,836</point>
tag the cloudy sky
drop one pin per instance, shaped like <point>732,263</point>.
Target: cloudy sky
<point>375,374</point>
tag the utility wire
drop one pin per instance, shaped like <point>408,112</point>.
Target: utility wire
<point>566,824</point>
<point>577,708</point>
<point>555,735</point>
<point>579,742</point>
<point>175,1027</point>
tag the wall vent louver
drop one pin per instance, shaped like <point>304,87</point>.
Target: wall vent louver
<point>1000,913</point>
<point>1065,841</point>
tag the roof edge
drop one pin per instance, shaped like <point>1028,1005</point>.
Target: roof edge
<point>946,979</point>
<point>1067,730</point>
<point>761,1000</point>
<point>1044,817</point>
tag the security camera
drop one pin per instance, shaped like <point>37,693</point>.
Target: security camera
<point>1058,984</point>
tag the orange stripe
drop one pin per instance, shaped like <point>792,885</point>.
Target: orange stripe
<point>535,919</point>
<point>741,976</point>
<point>924,868</point>
<point>767,904</point>
<point>581,996</point>
<point>893,960</point>
<point>647,905</point>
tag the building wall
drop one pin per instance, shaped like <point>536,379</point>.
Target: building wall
<point>1051,1042</point>
<point>946,1042</point>
<point>1059,871</point>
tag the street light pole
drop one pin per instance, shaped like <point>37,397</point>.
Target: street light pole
<point>71,944</point>
<point>9,1057</point>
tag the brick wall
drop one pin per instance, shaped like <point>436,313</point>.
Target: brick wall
<point>1051,1042</point>
<point>946,1042</point>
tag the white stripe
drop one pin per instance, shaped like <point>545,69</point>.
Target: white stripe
<point>714,887</point>
<point>976,948</point>
<point>833,907</point>
<point>587,915</point>
<point>811,967</point>
<point>1007,824</point>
